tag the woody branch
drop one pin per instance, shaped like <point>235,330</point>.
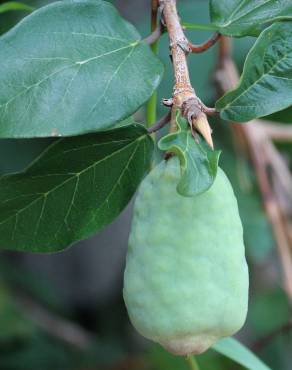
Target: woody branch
<point>184,96</point>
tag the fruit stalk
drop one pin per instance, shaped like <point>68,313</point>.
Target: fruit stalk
<point>192,363</point>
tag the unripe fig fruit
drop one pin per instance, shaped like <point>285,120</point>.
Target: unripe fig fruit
<point>186,277</point>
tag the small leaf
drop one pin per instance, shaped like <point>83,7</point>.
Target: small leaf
<point>13,5</point>
<point>237,352</point>
<point>265,86</point>
<point>198,161</point>
<point>70,68</point>
<point>247,18</point>
<point>77,186</point>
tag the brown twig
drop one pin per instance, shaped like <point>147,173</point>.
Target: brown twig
<point>200,48</point>
<point>271,170</point>
<point>184,96</point>
<point>155,35</point>
<point>154,13</point>
<point>224,51</point>
<point>277,131</point>
<point>264,341</point>
<point>56,326</point>
<point>161,123</point>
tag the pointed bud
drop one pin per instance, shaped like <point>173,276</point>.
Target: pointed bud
<point>201,124</point>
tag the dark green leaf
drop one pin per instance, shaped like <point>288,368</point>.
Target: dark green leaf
<point>12,5</point>
<point>233,349</point>
<point>284,116</point>
<point>265,86</point>
<point>126,122</point>
<point>17,154</point>
<point>247,18</point>
<point>73,67</point>
<point>198,161</point>
<point>77,186</point>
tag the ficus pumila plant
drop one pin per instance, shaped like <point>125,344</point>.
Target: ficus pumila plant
<point>77,71</point>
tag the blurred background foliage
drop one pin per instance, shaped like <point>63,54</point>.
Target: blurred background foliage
<point>80,289</point>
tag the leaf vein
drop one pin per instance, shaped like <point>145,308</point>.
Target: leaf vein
<point>66,181</point>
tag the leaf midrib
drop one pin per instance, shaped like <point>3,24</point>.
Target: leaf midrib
<point>232,21</point>
<point>78,63</point>
<point>256,82</point>
<point>83,34</point>
<point>76,175</point>
<point>102,203</point>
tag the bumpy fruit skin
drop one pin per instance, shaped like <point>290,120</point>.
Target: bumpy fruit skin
<point>186,277</point>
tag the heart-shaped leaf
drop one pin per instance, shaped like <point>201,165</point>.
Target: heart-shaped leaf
<point>77,186</point>
<point>70,68</point>
<point>265,86</point>
<point>247,18</point>
<point>237,352</point>
<point>198,161</point>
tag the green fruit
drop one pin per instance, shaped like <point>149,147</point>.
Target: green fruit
<point>186,277</point>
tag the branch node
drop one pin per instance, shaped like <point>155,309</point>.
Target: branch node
<point>167,102</point>
<point>184,45</point>
<point>191,110</point>
<point>184,96</point>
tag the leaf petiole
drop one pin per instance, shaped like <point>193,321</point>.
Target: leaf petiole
<point>198,26</point>
<point>151,111</point>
